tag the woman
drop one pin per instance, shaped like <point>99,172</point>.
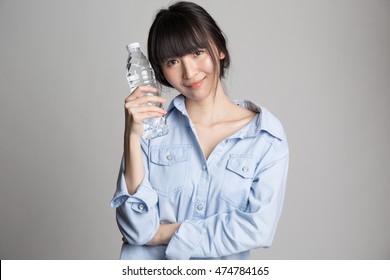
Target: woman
<point>214,186</point>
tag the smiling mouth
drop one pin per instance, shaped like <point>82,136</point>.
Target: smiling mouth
<point>197,84</point>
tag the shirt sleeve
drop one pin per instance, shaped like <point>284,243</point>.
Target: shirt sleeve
<point>230,233</point>
<point>137,215</point>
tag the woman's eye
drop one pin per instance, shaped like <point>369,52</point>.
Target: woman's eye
<point>198,52</point>
<point>171,62</point>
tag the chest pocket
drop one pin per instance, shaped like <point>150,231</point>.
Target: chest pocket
<point>238,180</point>
<point>168,168</point>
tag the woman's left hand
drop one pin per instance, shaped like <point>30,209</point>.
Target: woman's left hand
<point>164,234</point>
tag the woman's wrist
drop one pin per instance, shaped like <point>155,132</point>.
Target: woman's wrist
<point>164,234</point>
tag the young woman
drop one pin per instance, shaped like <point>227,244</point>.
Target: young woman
<point>214,186</point>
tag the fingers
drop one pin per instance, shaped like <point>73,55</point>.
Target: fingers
<point>140,91</point>
<point>142,108</point>
<point>145,95</point>
<point>142,112</point>
<point>147,100</point>
<point>145,104</point>
<point>142,104</point>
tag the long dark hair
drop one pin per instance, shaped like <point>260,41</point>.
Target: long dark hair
<point>184,28</point>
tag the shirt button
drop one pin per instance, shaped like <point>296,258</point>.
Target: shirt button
<point>245,169</point>
<point>204,167</point>
<point>141,207</point>
<point>227,141</point>
<point>199,207</point>
<point>169,157</point>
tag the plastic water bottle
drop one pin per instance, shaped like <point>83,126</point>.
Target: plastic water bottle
<point>140,73</point>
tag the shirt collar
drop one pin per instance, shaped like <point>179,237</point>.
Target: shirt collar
<point>263,121</point>
<point>179,103</point>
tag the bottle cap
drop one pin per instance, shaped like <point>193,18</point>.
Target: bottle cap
<point>133,45</point>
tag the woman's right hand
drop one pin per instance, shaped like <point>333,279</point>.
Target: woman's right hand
<point>138,108</point>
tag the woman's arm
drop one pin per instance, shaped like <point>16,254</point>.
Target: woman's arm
<point>136,111</point>
<point>135,200</point>
<point>134,169</point>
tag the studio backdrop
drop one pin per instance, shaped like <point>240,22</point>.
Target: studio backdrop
<point>322,67</point>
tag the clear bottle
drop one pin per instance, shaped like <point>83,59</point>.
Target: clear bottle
<point>140,73</point>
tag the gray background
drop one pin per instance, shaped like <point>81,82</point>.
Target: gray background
<point>322,67</point>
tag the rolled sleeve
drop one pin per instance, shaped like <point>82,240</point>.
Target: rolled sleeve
<point>181,247</point>
<point>144,199</point>
<point>137,214</point>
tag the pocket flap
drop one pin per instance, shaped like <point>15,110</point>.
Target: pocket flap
<point>243,166</point>
<point>170,155</point>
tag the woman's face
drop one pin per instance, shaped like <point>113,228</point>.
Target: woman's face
<point>193,75</point>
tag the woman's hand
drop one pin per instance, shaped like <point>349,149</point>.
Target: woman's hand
<point>164,234</point>
<point>138,106</point>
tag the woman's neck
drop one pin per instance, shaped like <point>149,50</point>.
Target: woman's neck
<point>210,110</point>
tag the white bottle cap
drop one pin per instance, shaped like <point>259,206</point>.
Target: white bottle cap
<point>133,45</point>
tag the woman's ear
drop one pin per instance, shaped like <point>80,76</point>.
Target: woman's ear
<point>221,55</point>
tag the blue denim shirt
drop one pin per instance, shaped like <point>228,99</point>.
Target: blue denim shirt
<point>227,204</point>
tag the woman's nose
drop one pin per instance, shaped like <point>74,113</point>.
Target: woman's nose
<point>189,68</point>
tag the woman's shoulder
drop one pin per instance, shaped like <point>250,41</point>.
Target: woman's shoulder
<point>270,123</point>
<point>265,120</point>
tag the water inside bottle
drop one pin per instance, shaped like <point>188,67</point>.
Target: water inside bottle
<point>155,126</point>
<point>139,72</point>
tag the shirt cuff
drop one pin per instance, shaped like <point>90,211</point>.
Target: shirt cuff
<point>184,241</point>
<point>145,197</point>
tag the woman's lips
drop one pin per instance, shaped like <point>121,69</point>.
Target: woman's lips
<point>196,84</point>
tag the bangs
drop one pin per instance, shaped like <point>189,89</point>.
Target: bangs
<point>177,37</point>
<point>183,29</point>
